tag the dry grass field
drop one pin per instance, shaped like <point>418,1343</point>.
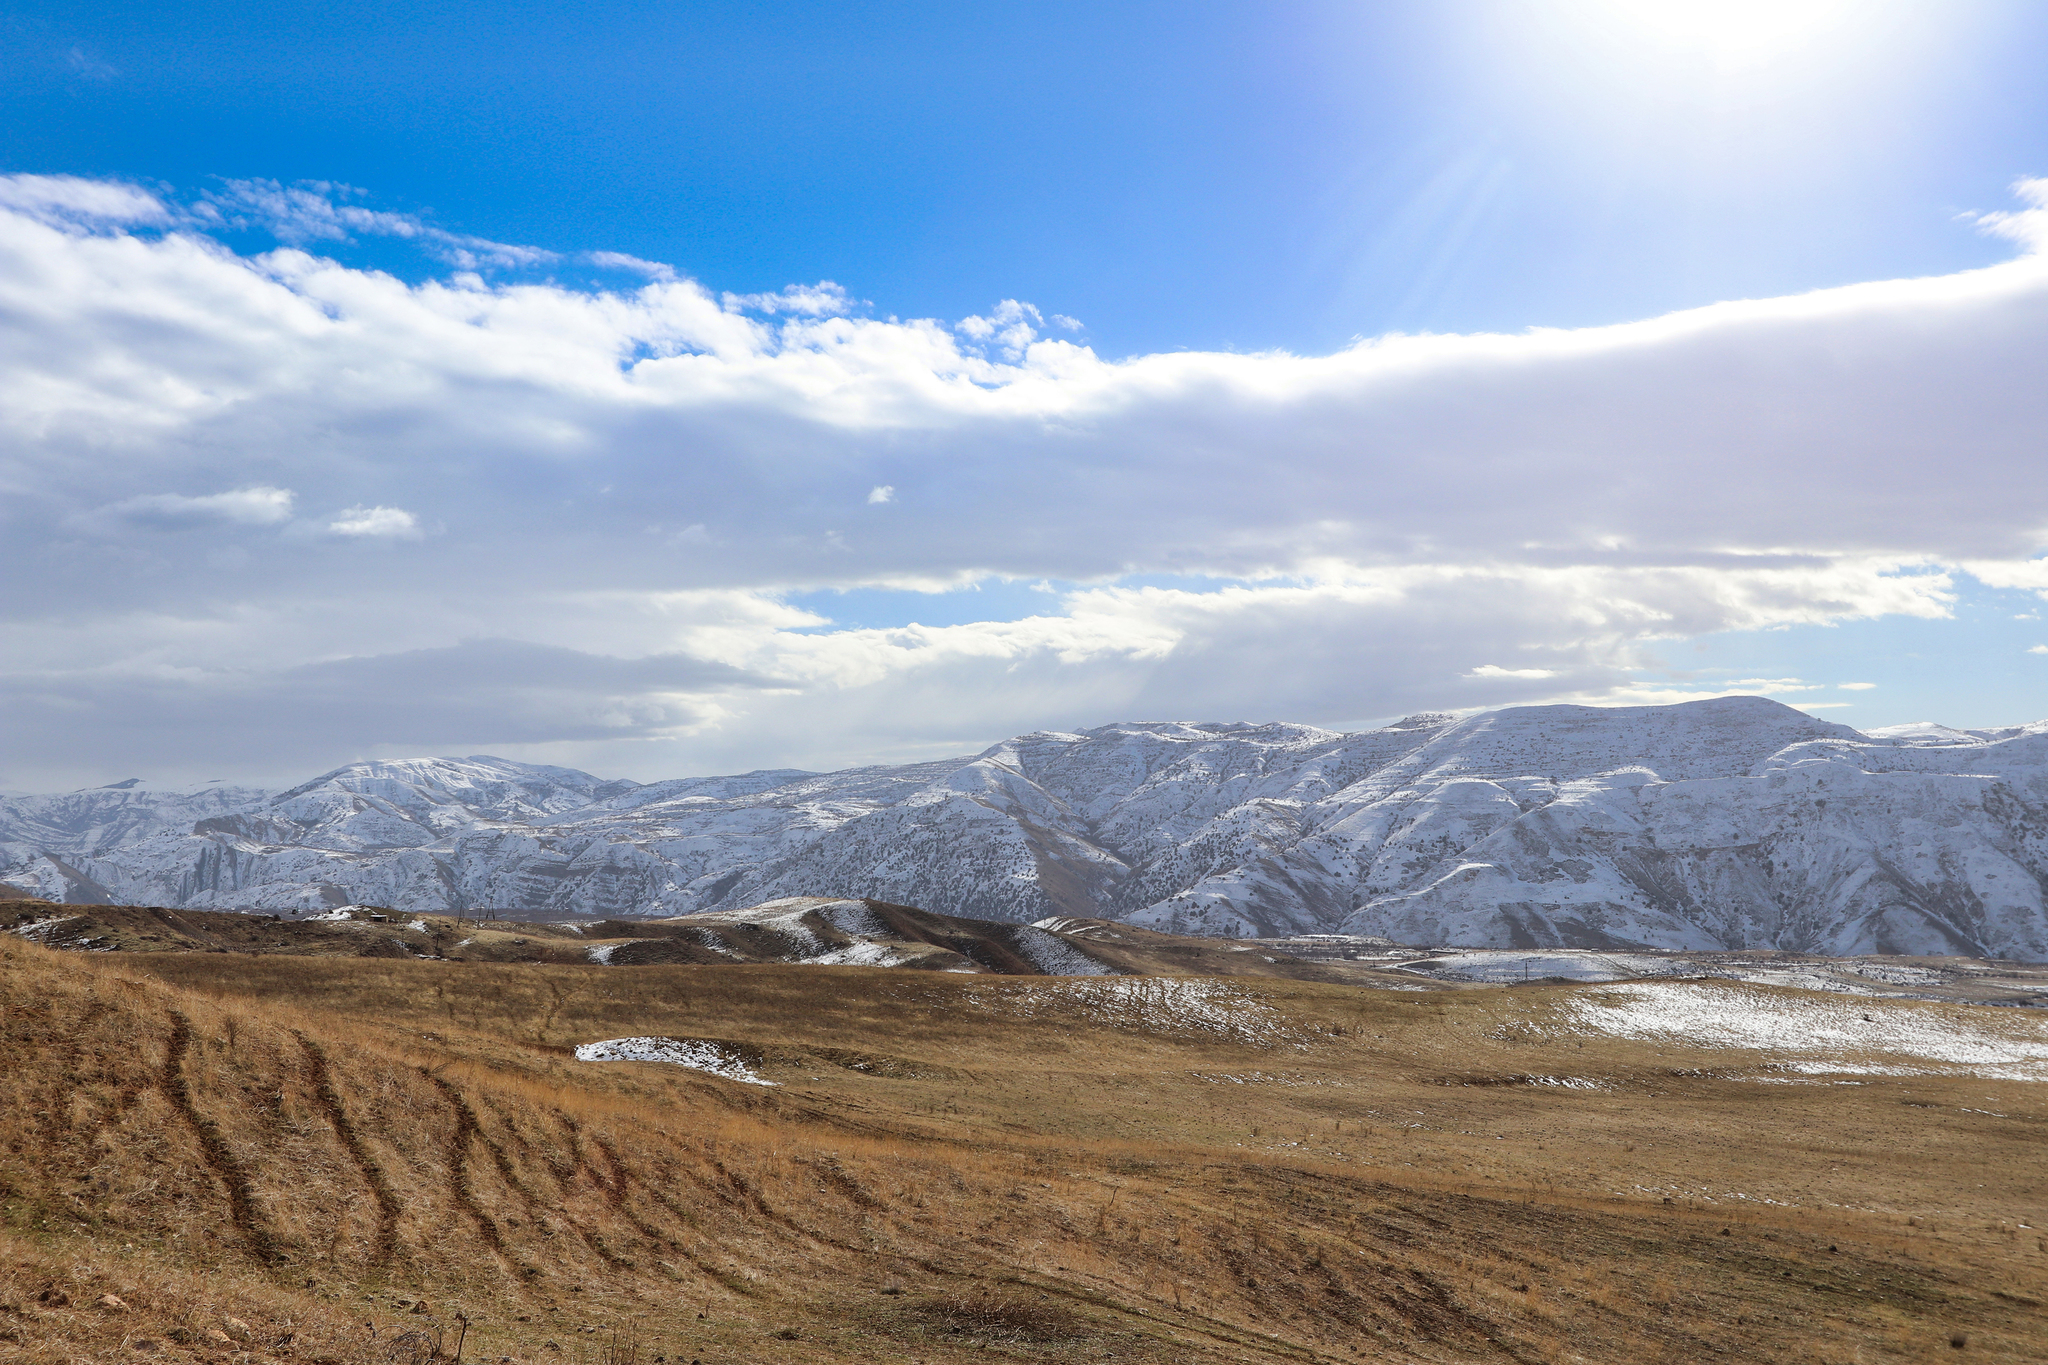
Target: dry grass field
<point>302,1159</point>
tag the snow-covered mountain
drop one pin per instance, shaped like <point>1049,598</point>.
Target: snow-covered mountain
<point>42,835</point>
<point>1733,823</point>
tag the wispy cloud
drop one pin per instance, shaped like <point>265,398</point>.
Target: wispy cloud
<point>2027,226</point>
<point>821,300</point>
<point>70,201</point>
<point>260,506</point>
<point>321,211</point>
<point>615,260</point>
<point>84,65</point>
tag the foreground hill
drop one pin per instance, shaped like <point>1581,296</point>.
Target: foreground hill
<point>356,1161</point>
<point>1728,824</point>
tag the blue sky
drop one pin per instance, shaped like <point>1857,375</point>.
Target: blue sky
<point>1175,175</point>
<point>222,502</point>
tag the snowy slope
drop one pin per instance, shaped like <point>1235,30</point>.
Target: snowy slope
<point>84,822</point>
<point>1838,843</point>
<point>1734,823</point>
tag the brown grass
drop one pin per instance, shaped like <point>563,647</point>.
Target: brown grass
<point>328,1148</point>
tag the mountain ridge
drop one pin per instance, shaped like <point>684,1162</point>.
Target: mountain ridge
<point>1726,823</point>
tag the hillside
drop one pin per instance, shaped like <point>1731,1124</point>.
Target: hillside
<point>814,930</point>
<point>1728,824</point>
<point>348,1161</point>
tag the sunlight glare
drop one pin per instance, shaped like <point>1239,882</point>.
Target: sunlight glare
<point>1736,32</point>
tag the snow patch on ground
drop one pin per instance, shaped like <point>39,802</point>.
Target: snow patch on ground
<point>1797,980</point>
<point>344,912</point>
<point>695,1053</point>
<point>43,928</point>
<point>1509,966</point>
<point>1147,1004</point>
<point>1892,974</point>
<point>601,953</point>
<point>1819,1036</point>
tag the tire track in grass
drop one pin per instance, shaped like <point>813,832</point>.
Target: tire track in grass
<point>388,1206</point>
<point>583,1164</point>
<point>564,1174</point>
<point>616,1196</point>
<point>616,1190</point>
<point>466,1130</point>
<point>726,1279</point>
<point>243,1210</point>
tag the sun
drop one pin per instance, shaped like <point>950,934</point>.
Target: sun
<point>1735,32</point>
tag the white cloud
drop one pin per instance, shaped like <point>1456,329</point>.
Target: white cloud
<point>2038,649</point>
<point>382,522</point>
<point>648,471</point>
<point>1495,671</point>
<point>1011,326</point>
<point>881,493</point>
<point>1855,687</point>
<point>2028,575</point>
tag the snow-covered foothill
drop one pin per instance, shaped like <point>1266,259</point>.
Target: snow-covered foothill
<point>1053,955</point>
<point>817,930</point>
<point>863,954</point>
